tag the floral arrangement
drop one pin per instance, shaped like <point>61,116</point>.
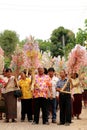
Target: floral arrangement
<point>32,57</point>
<point>32,53</point>
<point>77,59</point>
<point>1,60</point>
<point>59,63</point>
<point>1,51</point>
<point>17,60</point>
<point>46,59</point>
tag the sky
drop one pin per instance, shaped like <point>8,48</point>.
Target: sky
<point>40,17</point>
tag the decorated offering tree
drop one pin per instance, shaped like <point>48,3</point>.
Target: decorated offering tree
<point>32,53</point>
<point>59,63</point>
<point>32,56</point>
<point>1,51</point>
<point>17,61</point>
<point>77,59</point>
<point>1,60</point>
<point>46,59</point>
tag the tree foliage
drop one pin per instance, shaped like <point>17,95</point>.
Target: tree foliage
<point>68,49</point>
<point>60,37</point>
<point>61,42</point>
<point>44,45</point>
<point>21,43</point>
<point>8,41</point>
<point>81,35</point>
<point>85,22</point>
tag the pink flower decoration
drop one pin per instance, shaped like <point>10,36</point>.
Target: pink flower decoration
<point>77,59</point>
<point>32,51</point>
<point>1,51</point>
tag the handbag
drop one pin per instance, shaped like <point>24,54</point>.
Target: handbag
<point>18,93</point>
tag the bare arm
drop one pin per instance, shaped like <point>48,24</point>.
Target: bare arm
<point>58,89</point>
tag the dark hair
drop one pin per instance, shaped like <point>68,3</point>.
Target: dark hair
<point>45,71</point>
<point>24,71</point>
<point>63,70</point>
<point>51,69</point>
<point>8,70</point>
<point>76,75</point>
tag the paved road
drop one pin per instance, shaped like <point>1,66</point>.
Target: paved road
<point>76,125</point>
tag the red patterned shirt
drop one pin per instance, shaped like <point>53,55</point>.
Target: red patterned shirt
<point>42,86</point>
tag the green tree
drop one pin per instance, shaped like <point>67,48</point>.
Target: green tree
<point>60,38</point>
<point>44,45</point>
<point>68,48</point>
<point>81,35</point>
<point>8,41</point>
<point>21,43</point>
<point>85,22</point>
<point>7,62</point>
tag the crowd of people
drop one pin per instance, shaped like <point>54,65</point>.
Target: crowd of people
<point>49,90</point>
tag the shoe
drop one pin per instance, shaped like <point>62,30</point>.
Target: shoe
<point>7,120</point>
<point>60,123</point>
<point>22,120</point>
<point>71,122</point>
<point>29,120</point>
<point>67,124</point>
<point>53,121</point>
<point>13,120</point>
<point>46,123</point>
<point>34,123</point>
<point>78,117</point>
<point>0,118</point>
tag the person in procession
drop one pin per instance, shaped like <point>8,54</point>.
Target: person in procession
<point>52,102</point>
<point>77,94</point>
<point>10,99</point>
<point>63,86</point>
<point>26,99</point>
<point>40,93</point>
<point>2,102</point>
